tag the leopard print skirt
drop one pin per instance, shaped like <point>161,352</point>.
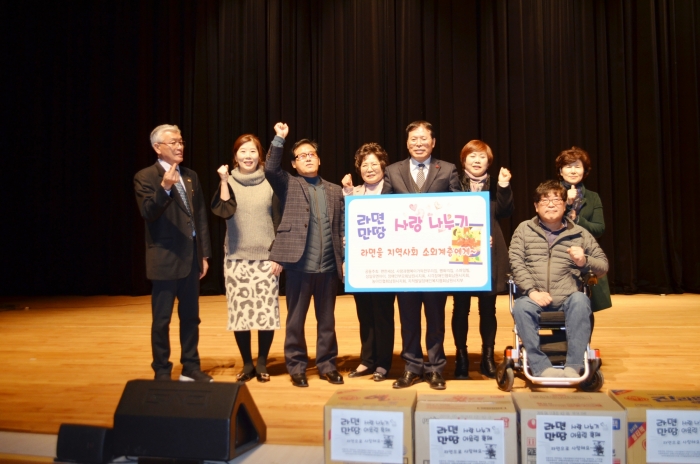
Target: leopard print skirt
<point>252,292</point>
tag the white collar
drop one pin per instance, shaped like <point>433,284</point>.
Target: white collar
<point>166,165</point>
<point>414,163</point>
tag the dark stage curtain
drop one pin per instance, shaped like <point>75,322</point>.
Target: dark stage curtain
<point>86,82</point>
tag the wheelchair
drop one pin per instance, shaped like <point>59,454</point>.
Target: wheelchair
<point>552,344</point>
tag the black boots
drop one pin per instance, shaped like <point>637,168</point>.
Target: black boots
<point>488,365</point>
<point>462,364</point>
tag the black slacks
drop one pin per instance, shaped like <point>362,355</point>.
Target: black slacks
<point>487,318</point>
<point>375,311</point>
<point>410,304</point>
<point>186,290</point>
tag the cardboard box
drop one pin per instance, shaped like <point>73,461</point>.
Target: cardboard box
<point>402,401</point>
<point>530,404</point>
<point>464,406</point>
<point>636,402</point>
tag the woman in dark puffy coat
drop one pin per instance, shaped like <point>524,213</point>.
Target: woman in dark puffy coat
<point>475,159</point>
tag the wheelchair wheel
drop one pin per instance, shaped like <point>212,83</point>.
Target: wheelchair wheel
<point>505,379</point>
<point>504,372</point>
<point>593,384</point>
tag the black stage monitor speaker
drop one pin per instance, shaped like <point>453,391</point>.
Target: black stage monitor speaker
<point>186,420</point>
<point>84,444</point>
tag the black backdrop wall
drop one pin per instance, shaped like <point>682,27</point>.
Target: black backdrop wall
<point>86,82</point>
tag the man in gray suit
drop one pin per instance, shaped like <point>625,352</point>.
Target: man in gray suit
<point>421,173</point>
<point>177,248</point>
<point>309,245</point>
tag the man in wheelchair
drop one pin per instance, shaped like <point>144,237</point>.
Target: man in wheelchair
<point>549,257</point>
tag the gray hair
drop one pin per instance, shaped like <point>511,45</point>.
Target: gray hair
<point>158,132</point>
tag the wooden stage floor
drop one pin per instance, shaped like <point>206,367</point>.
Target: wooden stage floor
<point>67,359</point>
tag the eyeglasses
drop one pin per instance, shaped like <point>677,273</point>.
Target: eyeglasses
<point>554,201</point>
<point>174,143</point>
<point>416,142</point>
<point>371,165</point>
<point>303,156</point>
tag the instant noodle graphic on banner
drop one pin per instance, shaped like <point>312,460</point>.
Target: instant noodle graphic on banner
<point>466,241</point>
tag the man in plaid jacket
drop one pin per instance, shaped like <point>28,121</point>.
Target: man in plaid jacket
<point>309,245</point>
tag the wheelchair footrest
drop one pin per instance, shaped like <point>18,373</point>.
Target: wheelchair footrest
<point>555,347</point>
<point>557,359</point>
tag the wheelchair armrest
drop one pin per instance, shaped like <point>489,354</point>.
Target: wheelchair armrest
<point>591,279</point>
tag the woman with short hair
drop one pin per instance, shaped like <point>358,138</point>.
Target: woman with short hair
<point>475,159</point>
<point>375,310</point>
<point>585,209</point>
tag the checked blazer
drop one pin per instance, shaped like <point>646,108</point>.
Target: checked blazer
<point>290,242</point>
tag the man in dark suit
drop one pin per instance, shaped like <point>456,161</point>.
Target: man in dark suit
<point>309,245</point>
<point>421,173</point>
<point>177,248</point>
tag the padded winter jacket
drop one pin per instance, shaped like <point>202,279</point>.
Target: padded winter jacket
<point>537,266</point>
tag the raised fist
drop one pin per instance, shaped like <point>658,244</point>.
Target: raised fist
<point>223,172</point>
<point>347,181</point>
<point>577,255</point>
<point>281,130</point>
<point>504,175</point>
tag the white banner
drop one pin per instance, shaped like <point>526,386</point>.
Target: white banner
<point>574,439</point>
<point>673,436</point>
<point>418,242</point>
<point>367,436</point>
<point>459,441</point>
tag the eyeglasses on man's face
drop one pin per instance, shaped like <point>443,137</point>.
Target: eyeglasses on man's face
<point>303,156</point>
<point>174,143</point>
<point>419,141</point>
<point>554,201</point>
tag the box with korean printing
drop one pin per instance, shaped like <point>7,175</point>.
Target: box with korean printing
<point>467,433</point>
<point>371,426</point>
<point>674,433</point>
<point>570,427</point>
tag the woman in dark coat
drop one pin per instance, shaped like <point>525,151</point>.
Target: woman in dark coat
<point>475,158</point>
<point>585,209</point>
<point>375,310</point>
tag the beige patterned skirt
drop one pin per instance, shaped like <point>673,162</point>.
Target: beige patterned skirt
<point>252,292</point>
